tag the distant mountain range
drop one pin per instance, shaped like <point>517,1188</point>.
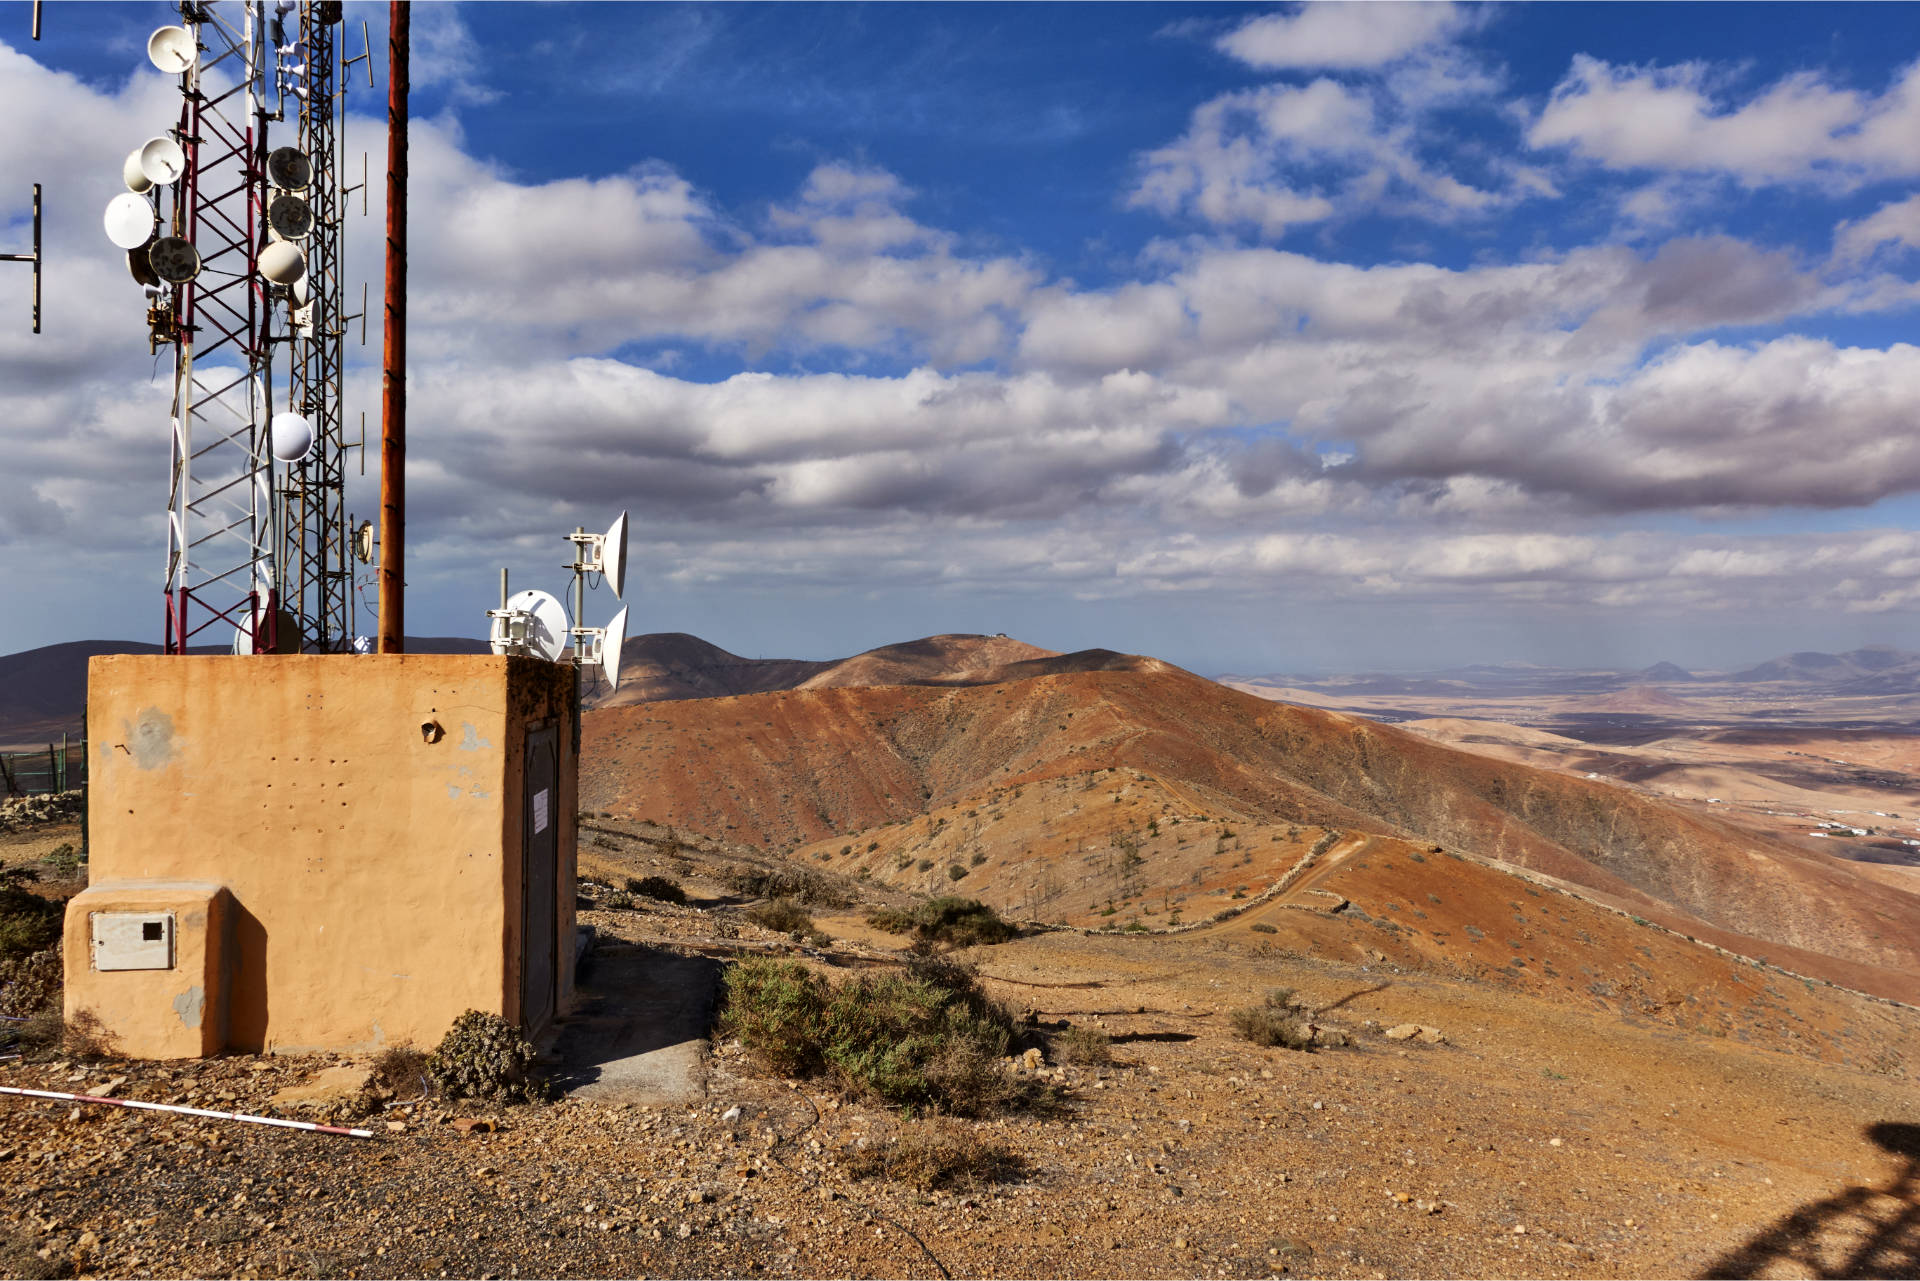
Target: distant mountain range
<point>43,691</point>
<point>1876,669</point>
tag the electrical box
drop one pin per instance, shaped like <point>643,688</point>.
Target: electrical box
<point>132,940</point>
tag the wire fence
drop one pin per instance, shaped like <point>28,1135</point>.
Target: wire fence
<point>62,767</point>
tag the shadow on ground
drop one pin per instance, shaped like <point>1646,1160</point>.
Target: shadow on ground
<point>1857,1232</point>
<point>639,1034</point>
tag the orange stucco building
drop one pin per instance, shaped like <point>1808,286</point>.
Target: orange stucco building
<point>305,852</point>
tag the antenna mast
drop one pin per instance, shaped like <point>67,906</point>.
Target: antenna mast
<point>393,404</point>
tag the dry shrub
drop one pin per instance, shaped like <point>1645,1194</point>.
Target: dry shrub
<point>401,1068</point>
<point>1265,1025</point>
<point>84,1036</point>
<point>1084,1045</point>
<point>802,884</point>
<point>937,1154</point>
<point>950,921</point>
<point>656,887</point>
<point>782,915</point>
<point>28,923</point>
<point>30,984</point>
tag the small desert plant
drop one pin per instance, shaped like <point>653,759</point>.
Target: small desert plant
<point>783,915</point>
<point>656,887</point>
<point>1261,927</point>
<point>401,1069</point>
<point>955,872</point>
<point>85,1037</point>
<point>617,901</point>
<point>485,1057</point>
<point>64,859</point>
<point>1084,1045</point>
<point>937,1154</point>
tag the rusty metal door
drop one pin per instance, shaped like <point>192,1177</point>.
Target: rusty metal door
<point>540,840</point>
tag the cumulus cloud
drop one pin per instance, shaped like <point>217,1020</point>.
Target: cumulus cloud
<point>1896,224</point>
<point>1332,34</point>
<point>1282,155</point>
<point>1801,128</point>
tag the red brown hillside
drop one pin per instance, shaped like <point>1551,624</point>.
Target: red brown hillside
<point>801,765</point>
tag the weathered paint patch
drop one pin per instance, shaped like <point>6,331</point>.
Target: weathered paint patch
<point>453,791</point>
<point>471,740</point>
<point>190,1005</point>
<point>150,739</point>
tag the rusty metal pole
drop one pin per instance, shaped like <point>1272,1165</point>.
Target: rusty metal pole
<point>393,400</point>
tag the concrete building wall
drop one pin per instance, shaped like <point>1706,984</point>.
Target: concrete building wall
<point>365,814</point>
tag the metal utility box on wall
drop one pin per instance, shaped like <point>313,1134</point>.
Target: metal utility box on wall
<point>336,851</point>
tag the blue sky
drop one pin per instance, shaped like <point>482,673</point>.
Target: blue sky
<point>1261,338</point>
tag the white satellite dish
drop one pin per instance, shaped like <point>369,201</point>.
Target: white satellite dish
<point>613,556</point>
<point>289,169</point>
<point>546,625</point>
<point>291,436</point>
<point>133,175</point>
<point>172,49</point>
<point>610,646</point>
<point>130,220</point>
<point>162,161</point>
<point>174,260</point>
<point>282,262</point>
<point>290,216</point>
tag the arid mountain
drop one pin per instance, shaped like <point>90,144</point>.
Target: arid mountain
<point>1664,674</point>
<point>1875,669</point>
<point>1085,772</point>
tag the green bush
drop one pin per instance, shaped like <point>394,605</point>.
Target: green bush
<point>955,872</point>
<point>1261,927</point>
<point>656,887</point>
<point>485,1057</point>
<point>950,921</point>
<point>928,1038</point>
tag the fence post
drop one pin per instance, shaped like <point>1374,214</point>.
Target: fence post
<point>63,762</point>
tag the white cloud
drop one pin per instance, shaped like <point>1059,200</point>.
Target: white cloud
<point>1895,224</point>
<point>1339,35</point>
<point>1801,128</point>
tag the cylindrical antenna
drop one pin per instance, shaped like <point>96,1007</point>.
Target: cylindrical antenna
<point>393,402</point>
<point>503,587</point>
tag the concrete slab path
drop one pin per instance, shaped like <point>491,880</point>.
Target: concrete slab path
<point>639,1034</point>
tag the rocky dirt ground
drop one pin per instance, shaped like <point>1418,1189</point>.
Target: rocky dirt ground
<point>1538,1139</point>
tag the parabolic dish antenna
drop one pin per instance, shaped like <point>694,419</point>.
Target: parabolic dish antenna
<point>289,169</point>
<point>613,557</point>
<point>141,269</point>
<point>133,175</point>
<point>174,260</point>
<point>547,628</point>
<point>130,220</point>
<point>162,161</point>
<point>291,436</point>
<point>281,262</point>
<point>172,50</point>
<point>363,542</point>
<point>290,216</point>
<point>610,646</point>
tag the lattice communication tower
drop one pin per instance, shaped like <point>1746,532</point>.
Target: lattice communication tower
<point>229,267</point>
